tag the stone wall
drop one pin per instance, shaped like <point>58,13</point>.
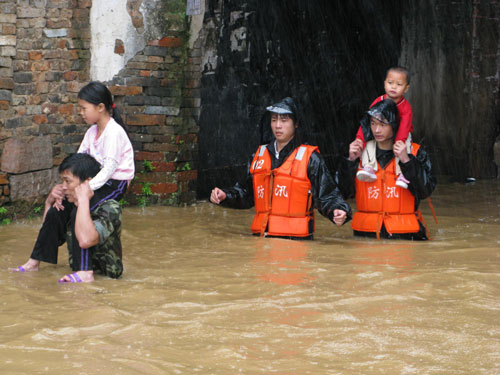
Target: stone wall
<point>454,54</point>
<point>45,60</point>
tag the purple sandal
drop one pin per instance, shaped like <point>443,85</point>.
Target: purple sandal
<point>73,278</point>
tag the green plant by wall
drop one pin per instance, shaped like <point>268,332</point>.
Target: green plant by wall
<point>146,192</point>
<point>186,167</point>
<point>148,166</point>
<point>4,220</point>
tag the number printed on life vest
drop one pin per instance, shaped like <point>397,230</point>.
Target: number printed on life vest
<point>257,164</point>
<point>260,191</point>
<point>280,191</point>
<point>373,192</point>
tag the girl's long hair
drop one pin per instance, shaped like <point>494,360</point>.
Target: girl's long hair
<point>96,93</point>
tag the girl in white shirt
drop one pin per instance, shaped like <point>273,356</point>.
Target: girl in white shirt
<point>106,140</point>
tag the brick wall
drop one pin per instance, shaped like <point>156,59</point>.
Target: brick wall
<point>45,60</point>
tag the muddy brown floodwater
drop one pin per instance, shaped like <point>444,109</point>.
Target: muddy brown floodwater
<point>200,295</point>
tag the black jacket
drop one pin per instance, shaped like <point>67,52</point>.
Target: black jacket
<point>326,195</point>
<point>418,170</point>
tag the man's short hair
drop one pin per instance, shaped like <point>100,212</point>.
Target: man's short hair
<point>80,165</point>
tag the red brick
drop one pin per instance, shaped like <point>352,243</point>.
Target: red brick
<point>70,76</point>
<point>4,105</point>
<point>3,179</point>
<point>49,108</point>
<point>142,155</point>
<point>40,66</point>
<point>166,42</point>
<point>35,55</point>
<point>73,86</point>
<point>145,73</point>
<point>66,109</point>
<point>163,188</point>
<point>187,175</point>
<point>145,120</point>
<point>125,90</point>
<point>40,119</point>
<point>119,50</point>
<point>162,166</point>
<point>6,190</point>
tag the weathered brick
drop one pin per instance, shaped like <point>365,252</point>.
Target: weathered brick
<point>23,77</point>
<point>166,42</point>
<point>53,76</point>
<point>35,55</point>
<point>141,155</point>
<point>9,30</point>
<point>49,108</point>
<point>187,175</point>
<point>4,105</point>
<point>163,188</point>
<point>73,86</point>
<point>125,90</point>
<point>70,76</point>
<point>7,51</point>
<point>7,40</point>
<point>3,179</point>
<point>156,51</point>
<point>27,154</point>
<point>162,110</point>
<point>7,18</point>
<point>162,166</point>
<point>24,89</point>
<point>30,12</point>
<point>164,147</point>
<point>145,119</point>
<point>66,109</point>
<point>40,119</point>
<point>6,83</point>
<point>5,95</point>
<point>163,91</point>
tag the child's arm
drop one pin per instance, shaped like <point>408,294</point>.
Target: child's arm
<point>107,170</point>
<point>360,136</point>
<point>365,124</point>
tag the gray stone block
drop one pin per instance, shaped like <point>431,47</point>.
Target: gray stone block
<point>33,184</point>
<point>21,155</point>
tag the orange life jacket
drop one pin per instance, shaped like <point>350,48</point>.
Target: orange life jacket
<point>383,202</point>
<point>283,197</point>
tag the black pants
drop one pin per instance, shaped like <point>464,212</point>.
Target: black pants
<point>55,227</point>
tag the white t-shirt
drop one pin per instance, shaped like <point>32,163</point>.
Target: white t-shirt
<point>112,150</point>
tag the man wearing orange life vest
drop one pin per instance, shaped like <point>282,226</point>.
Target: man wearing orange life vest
<point>383,208</point>
<point>286,181</point>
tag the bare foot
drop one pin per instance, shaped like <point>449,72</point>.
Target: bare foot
<point>78,277</point>
<point>30,266</point>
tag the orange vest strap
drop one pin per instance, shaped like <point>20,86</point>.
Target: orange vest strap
<point>421,219</point>
<point>432,209</point>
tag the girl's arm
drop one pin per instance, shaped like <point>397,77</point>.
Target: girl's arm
<point>107,170</point>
